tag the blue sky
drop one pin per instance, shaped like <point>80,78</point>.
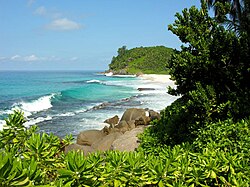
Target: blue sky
<point>81,34</point>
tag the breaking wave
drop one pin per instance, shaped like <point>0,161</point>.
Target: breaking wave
<point>40,104</point>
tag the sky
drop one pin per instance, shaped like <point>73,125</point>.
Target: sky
<point>81,34</point>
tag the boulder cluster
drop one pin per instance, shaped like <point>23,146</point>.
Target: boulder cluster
<point>120,134</point>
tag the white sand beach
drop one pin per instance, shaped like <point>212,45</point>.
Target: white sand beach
<point>158,78</point>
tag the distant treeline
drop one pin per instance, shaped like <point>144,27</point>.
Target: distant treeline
<point>141,60</point>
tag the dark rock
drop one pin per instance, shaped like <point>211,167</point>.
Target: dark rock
<point>105,143</point>
<point>100,106</point>
<point>145,89</point>
<point>122,126</point>
<point>105,130</point>
<point>154,115</point>
<point>76,147</point>
<point>131,124</point>
<point>144,120</point>
<point>89,136</point>
<point>112,121</point>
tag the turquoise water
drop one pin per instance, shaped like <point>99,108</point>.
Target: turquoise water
<point>69,102</point>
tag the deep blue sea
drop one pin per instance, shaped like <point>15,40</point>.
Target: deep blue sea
<point>69,102</point>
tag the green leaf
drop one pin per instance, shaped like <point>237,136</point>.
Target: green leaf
<point>22,183</point>
<point>160,184</point>
<point>117,183</point>
<point>65,172</point>
<point>68,184</point>
<point>213,174</point>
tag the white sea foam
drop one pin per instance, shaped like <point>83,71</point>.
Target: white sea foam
<point>80,111</point>
<point>34,121</point>
<point>95,81</point>
<point>124,76</point>
<point>66,114</point>
<point>2,123</point>
<point>2,112</point>
<point>108,74</point>
<point>42,103</point>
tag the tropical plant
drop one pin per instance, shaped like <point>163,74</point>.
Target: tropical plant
<point>238,11</point>
<point>219,157</point>
<point>212,56</point>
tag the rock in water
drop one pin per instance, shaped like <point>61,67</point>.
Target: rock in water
<point>145,89</point>
<point>89,137</point>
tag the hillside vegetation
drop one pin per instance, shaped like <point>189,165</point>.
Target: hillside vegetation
<point>141,60</point>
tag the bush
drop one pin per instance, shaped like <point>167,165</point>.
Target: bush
<point>227,136</point>
<point>181,121</point>
<point>215,163</point>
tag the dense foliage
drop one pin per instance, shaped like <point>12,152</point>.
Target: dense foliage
<point>211,72</point>
<point>213,56</point>
<point>202,139</point>
<point>141,60</point>
<point>219,156</point>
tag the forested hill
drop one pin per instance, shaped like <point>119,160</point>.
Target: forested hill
<point>141,60</point>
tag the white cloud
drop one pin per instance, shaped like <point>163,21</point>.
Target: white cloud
<point>15,57</point>
<point>51,14</point>
<point>53,58</point>
<point>31,58</point>
<point>63,24</point>
<point>35,58</point>
<point>73,59</point>
<point>41,11</point>
<point>58,22</point>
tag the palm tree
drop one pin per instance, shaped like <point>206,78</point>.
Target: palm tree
<point>237,9</point>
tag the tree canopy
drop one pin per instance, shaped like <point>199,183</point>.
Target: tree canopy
<point>141,60</point>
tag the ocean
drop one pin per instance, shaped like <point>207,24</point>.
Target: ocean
<point>67,102</point>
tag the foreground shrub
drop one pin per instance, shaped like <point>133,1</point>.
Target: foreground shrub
<point>41,161</point>
<point>227,136</point>
<point>39,153</point>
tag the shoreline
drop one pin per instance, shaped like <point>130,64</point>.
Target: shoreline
<point>153,95</point>
<point>158,78</point>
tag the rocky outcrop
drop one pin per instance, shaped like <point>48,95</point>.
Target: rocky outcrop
<point>89,137</point>
<point>128,141</point>
<point>105,143</point>
<point>143,120</point>
<point>112,121</point>
<point>154,115</point>
<point>133,114</point>
<point>120,135</point>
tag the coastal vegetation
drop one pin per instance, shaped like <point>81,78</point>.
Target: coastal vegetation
<point>201,139</point>
<point>141,60</point>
